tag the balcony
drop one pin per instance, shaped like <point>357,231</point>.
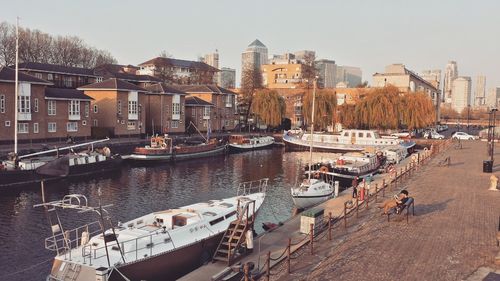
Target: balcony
<point>24,116</point>
<point>74,117</point>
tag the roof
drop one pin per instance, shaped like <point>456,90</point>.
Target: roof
<point>124,72</point>
<point>8,74</point>
<point>161,61</point>
<point>162,88</point>
<point>59,93</point>
<point>257,43</point>
<point>196,101</point>
<point>214,89</point>
<point>54,68</point>
<point>135,77</point>
<point>112,84</point>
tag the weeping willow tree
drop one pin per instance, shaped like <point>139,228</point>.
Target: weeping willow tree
<point>324,109</point>
<point>417,110</point>
<point>380,109</point>
<point>347,116</point>
<point>269,106</point>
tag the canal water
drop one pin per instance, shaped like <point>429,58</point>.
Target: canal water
<point>137,190</point>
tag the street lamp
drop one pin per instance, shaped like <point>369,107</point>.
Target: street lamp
<point>468,118</point>
<point>494,110</point>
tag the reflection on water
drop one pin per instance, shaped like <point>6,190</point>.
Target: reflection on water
<point>135,191</point>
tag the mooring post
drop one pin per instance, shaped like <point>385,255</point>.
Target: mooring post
<point>245,271</point>
<point>376,192</point>
<point>357,207</point>
<point>288,254</point>
<point>268,266</point>
<point>345,214</point>
<point>311,237</point>
<point>329,226</point>
<point>383,187</point>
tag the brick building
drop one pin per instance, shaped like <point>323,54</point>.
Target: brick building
<point>165,109</point>
<point>178,71</point>
<point>60,76</point>
<point>117,107</point>
<point>198,112</point>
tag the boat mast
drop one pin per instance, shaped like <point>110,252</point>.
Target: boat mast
<point>312,129</point>
<point>16,87</point>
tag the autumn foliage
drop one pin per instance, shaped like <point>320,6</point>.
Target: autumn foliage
<point>269,106</point>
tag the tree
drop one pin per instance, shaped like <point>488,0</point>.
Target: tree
<point>448,113</point>
<point>417,110</point>
<point>347,116</point>
<point>7,44</point>
<point>269,106</point>
<point>380,109</point>
<point>324,109</point>
<point>251,81</point>
<point>309,71</point>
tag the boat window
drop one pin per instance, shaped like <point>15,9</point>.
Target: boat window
<point>158,220</point>
<point>216,221</point>
<point>360,135</point>
<point>368,135</point>
<point>346,134</point>
<point>139,222</point>
<point>230,214</point>
<point>130,224</point>
<point>209,214</point>
<point>353,134</point>
<point>227,205</point>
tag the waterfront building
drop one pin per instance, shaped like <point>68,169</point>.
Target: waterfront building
<point>285,75</point>
<point>480,93</point>
<point>493,97</point>
<point>327,72</point>
<point>223,116</point>
<point>198,111</point>
<point>461,93</point>
<point>165,110</point>
<point>450,73</point>
<point>126,73</point>
<point>117,107</point>
<point>227,78</point>
<point>305,55</point>
<point>351,75</point>
<point>178,71</point>
<point>212,59</point>
<point>60,76</point>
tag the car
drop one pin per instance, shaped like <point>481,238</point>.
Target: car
<point>433,135</point>
<point>463,136</point>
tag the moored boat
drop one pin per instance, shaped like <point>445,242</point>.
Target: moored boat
<point>240,143</point>
<point>163,245</point>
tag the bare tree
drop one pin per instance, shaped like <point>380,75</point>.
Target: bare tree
<point>165,54</point>
<point>309,71</point>
<point>251,81</point>
<point>7,44</point>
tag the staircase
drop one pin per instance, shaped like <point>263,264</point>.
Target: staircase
<point>234,237</point>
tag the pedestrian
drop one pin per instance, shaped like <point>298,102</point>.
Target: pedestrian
<point>355,187</point>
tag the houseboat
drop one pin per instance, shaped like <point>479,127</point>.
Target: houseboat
<point>240,143</point>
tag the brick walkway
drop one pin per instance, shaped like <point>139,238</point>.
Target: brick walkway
<point>452,234</point>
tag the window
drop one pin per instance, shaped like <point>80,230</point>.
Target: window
<point>193,113</point>
<point>52,127</point>
<point>74,107</point>
<point>360,135</point>
<point>2,103</point>
<point>206,112</point>
<point>130,125</point>
<point>132,107</point>
<point>38,75</point>
<point>368,135</point>
<point>72,126</point>
<point>7,123</point>
<point>35,128</point>
<point>175,124</point>
<point>119,107</point>
<point>50,77</point>
<point>35,104</point>
<point>24,105</point>
<point>226,123</point>
<point>84,122</point>
<point>98,79</point>
<point>87,109</point>
<point>205,123</point>
<point>96,123</point>
<point>67,82</point>
<point>23,128</point>
<point>51,107</point>
<point>176,108</point>
<point>95,108</point>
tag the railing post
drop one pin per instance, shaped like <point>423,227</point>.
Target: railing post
<point>376,192</point>
<point>367,196</point>
<point>288,254</point>
<point>136,249</point>
<point>383,187</point>
<point>268,266</point>
<point>311,238</point>
<point>396,179</point>
<point>151,245</point>
<point>357,207</point>
<point>245,270</point>
<point>345,214</point>
<point>329,226</point>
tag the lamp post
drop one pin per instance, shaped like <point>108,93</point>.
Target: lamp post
<point>468,118</point>
<point>494,110</point>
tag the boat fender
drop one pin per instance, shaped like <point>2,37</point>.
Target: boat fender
<point>425,149</point>
<point>414,158</point>
<point>323,169</point>
<point>85,238</point>
<point>249,239</point>
<point>106,151</point>
<point>163,145</point>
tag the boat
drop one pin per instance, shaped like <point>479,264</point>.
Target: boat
<point>162,245</point>
<point>314,189</point>
<point>348,140</point>
<point>240,143</point>
<point>22,170</point>
<point>350,165</point>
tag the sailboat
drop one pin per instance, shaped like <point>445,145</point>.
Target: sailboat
<point>315,188</point>
<point>22,169</point>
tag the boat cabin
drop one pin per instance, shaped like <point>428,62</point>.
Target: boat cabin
<point>238,139</point>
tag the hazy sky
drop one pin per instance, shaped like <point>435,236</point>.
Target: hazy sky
<point>369,34</point>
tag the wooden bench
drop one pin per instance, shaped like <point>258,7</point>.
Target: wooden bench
<point>409,203</point>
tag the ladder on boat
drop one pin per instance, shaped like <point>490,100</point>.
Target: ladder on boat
<point>234,237</point>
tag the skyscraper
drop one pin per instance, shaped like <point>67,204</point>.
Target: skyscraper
<point>212,59</point>
<point>227,78</point>
<point>461,93</point>
<point>254,56</point>
<point>450,73</point>
<point>493,97</point>
<point>327,72</point>
<point>480,94</point>
<point>350,75</point>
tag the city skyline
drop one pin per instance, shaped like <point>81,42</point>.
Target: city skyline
<point>423,38</point>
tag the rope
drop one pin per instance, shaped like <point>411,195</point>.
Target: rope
<point>305,237</point>
<point>24,270</point>
<point>280,256</point>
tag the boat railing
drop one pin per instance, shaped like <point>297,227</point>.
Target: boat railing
<point>250,187</point>
<point>134,245</point>
<point>64,242</point>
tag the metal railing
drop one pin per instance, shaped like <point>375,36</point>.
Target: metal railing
<point>250,187</point>
<point>64,242</point>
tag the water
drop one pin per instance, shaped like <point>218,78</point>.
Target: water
<point>136,191</point>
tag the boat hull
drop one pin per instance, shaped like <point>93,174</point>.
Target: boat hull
<point>304,202</point>
<point>235,148</point>
<point>176,157</point>
<point>291,145</point>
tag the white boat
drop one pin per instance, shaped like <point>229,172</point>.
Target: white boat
<point>312,191</point>
<point>349,140</point>
<point>163,245</point>
<point>238,143</point>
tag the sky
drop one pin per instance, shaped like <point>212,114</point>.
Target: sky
<point>422,34</point>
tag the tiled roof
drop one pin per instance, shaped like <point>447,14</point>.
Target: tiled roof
<point>161,61</point>
<point>53,68</point>
<point>135,77</point>
<point>124,72</point>
<point>112,84</point>
<point>8,74</point>
<point>59,93</point>
<point>196,101</point>
<point>204,89</point>
<point>164,89</point>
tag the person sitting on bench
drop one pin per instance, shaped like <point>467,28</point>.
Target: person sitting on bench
<point>396,202</point>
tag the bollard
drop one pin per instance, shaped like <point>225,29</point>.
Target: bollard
<point>312,238</point>
<point>288,254</point>
<point>268,266</point>
<point>376,192</point>
<point>396,179</point>
<point>329,226</point>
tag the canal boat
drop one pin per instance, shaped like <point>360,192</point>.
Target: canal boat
<point>349,140</point>
<point>162,245</point>
<point>21,170</point>
<point>161,148</point>
<point>240,143</point>
<point>350,165</point>
<point>315,188</point>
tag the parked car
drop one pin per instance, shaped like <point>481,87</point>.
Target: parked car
<point>433,135</point>
<point>463,136</point>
